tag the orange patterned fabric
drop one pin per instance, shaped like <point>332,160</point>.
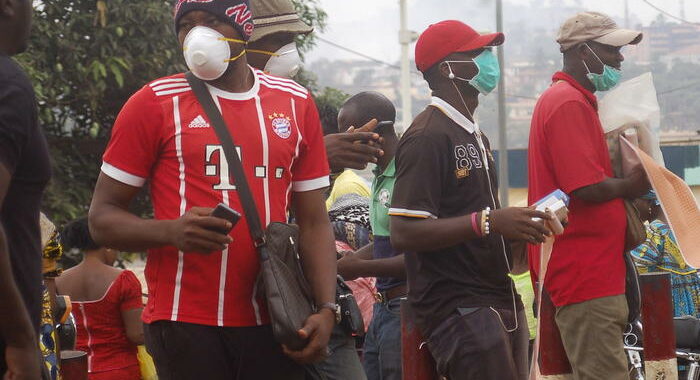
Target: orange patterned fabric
<point>678,203</point>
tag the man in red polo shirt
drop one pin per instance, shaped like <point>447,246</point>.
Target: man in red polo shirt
<point>586,275</point>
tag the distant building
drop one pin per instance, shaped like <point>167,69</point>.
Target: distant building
<point>527,78</point>
<point>667,41</point>
<point>688,54</point>
<point>353,76</point>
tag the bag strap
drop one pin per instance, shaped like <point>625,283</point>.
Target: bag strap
<point>235,167</point>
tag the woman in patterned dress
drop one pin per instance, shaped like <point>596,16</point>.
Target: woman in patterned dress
<point>660,253</point>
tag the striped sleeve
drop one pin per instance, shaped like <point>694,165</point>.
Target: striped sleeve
<point>135,142</point>
<point>420,164</point>
<point>311,171</point>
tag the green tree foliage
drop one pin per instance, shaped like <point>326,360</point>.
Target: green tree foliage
<point>85,59</point>
<point>311,13</point>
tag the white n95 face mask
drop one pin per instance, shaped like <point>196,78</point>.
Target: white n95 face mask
<point>285,62</point>
<point>207,52</point>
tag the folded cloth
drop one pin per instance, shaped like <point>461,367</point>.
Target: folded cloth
<point>677,202</point>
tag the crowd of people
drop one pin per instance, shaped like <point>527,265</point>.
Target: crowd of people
<point>429,232</point>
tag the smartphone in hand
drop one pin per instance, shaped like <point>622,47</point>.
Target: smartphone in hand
<point>224,212</point>
<point>379,128</point>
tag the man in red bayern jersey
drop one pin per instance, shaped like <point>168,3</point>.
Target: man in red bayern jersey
<point>204,318</point>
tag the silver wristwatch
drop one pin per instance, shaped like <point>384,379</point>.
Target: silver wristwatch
<point>334,307</point>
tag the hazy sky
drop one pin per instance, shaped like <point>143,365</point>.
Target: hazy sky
<point>371,26</point>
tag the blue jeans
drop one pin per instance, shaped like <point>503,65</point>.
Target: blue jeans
<point>382,357</point>
<point>343,363</point>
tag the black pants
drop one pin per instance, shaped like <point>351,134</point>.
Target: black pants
<point>473,344</point>
<point>186,351</point>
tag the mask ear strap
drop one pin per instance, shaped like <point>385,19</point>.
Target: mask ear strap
<point>586,66</point>
<point>233,40</point>
<point>594,54</point>
<point>237,41</point>
<point>453,76</point>
<point>236,57</point>
<point>271,53</point>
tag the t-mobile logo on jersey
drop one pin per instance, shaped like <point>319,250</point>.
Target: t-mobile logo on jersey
<point>221,169</point>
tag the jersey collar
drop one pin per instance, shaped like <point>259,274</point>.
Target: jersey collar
<point>247,95</point>
<point>453,114</point>
<point>390,170</point>
<point>562,76</point>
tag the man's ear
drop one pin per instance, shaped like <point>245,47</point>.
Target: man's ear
<point>583,51</point>
<point>444,69</point>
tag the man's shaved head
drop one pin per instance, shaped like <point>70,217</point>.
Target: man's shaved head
<point>363,107</point>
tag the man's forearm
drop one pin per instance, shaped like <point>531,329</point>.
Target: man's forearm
<point>319,262</point>
<point>390,267</point>
<point>114,227</point>
<point>317,244</point>
<point>15,325</point>
<point>604,191</point>
<point>424,235</point>
<point>366,252</point>
<point>368,266</point>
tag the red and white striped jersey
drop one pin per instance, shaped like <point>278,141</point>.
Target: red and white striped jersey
<point>163,135</point>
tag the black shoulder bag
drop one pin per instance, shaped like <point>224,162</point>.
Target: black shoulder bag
<point>288,296</point>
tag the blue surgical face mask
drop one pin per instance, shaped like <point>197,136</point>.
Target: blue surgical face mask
<point>487,76</point>
<point>608,79</point>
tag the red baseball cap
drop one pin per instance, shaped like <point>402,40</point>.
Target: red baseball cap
<point>447,37</point>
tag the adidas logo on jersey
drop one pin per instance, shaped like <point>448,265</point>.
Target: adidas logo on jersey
<point>199,122</point>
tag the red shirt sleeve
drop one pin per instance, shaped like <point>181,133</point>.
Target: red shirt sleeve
<point>135,142</point>
<point>573,140</point>
<point>130,292</point>
<point>310,171</point>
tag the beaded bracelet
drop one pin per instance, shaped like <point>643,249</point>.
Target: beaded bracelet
<point>486,221</point>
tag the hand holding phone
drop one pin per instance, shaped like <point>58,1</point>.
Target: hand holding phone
<point>224,212</point>
<point>382,125</point>
<point>555,204</point>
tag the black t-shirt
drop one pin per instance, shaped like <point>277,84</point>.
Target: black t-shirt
<point>441,170</point>
<point>23,151</point>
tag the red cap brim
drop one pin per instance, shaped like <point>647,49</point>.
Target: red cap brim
<point>493,39</point>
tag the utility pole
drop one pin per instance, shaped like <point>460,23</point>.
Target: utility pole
<point>405,38</point>
<point>682,6</point>
<point>503,183</point>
